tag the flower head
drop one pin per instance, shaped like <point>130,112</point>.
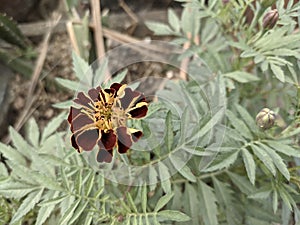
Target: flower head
<point>101,120</point>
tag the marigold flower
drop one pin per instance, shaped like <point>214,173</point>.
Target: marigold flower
<point>101,120</point>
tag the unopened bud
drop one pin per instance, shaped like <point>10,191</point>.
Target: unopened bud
<point>265,119</point>
<point>225,1</point>
<point>270,19</point>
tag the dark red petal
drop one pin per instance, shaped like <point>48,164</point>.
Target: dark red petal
<point>129,97</point>
<point>74,144</point>
<point>116,86</point>
<point>104,156</point>
<point>82,99</point>
<point>108,140</point>
<point>136,135</point>
<point>80,121</point>
<point>124,139</point>
<point>87,139</point>
<point>94,94</point>
<point>73,113</point>
<point>139,112</point>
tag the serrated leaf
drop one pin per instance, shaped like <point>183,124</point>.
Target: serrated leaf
<point>192,204</point>
<point>164,176</point>
<point>159,28</point>
<point>45,211</point>
<point>28,203</point>
<point>53,160</point>
<point>181,167</point>
<point>224,163</point>
<point>242,183</point>
<point>144,198</point>
<point>52,201</point>
<point>17,190</point>
<point>173,20</point>
<point>169,135</point>
<point>278,72</point>
<point>131,202</point>
<point>172,215</point>
<point>33,132</point>
<point>70,84</point>
<point>261,194</point>
<point>69,213</point>
<point>163,201</point>
<point>52,126</point>
<point>79,210</point>
<point>282,148</point>
<point>249,164</point>
<point>90,183</point>
<point>208,207</point>
<point>278,161</point>
<point>12,154</point>
<point>248,119</point>
<point>275,200</point>
<point>100,73</point>
<point>21,145</point>
<point>80,66</point>
<point>118,78</point>
<point>265,158</point>
<point>152,178</point>
<point>223,192</point>
<point>241,76</point>
<point>63,105</point>
<point>239,125</point>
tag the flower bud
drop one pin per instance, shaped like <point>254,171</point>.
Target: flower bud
<point>225,2</point>
<point>270,19</point>
<point>265,119</point>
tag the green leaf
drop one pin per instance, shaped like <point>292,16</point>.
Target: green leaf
<point>172,215</point>
<point>224,163</point>
<point>223,192</point>
<point>265,158</point>
<point>249,164</point>
<point>278,72</point>
<point>208,207</point>
<point>144,198</point>
<point>53,201</point>
<point>159,28</point>
<point>275,200</point>
<point>181,167</point>
<point>164,176</point>
<point>163,201</point>
<point>261,194</point>
<point>53,125</point>
<point>169,136</point>
<point>191,203</point>
<point>241,76</point>
<point>80,66</point>
<point>33,132</point>
<point>79,210</point>
<point>12,154</point>
<point>242,183</point>
<point>69,213</point>
<point>90,183</point>
<point>45,211</point>
<point>173,20</point>
<point>21,145</point>
<point>282,148</point>
<point>16,190</point>
<point>239,125</point>
<point>100,73</point>
<point>63,105</point>
<point>278,161</point>
<point>118,78</point>
<point>152,178</point>
<point>70,84</point>
<point>131,202</point>
<point>247,118</point>
<point>28,203</point>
